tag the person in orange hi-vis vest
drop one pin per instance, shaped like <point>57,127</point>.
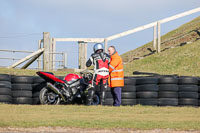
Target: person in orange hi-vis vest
<point>116,75</point>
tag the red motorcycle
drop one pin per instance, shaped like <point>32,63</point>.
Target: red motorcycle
<point>73,89</point>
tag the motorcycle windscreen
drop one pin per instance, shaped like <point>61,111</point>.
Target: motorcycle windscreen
<point>49,77</point>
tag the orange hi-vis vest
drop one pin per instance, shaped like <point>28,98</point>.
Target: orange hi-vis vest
<point>116,77</point>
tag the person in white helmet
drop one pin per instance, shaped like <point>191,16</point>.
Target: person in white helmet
<point>101,61</point>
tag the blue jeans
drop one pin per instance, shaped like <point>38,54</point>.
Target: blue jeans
<point>116,93</point>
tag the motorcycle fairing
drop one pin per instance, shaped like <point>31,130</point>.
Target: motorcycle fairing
<point>49,77</point>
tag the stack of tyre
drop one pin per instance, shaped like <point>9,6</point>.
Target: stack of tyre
<point>199,89</point>
<point>109,99</point>
<point>128,95</point>
<point>5,89</point>
<point>188,91</point>
<point>168,91</point>
<point>38,84</point>
<point>22,89</point>
<point>147,91</point>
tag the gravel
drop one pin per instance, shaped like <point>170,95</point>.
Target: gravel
<point>87,130</point>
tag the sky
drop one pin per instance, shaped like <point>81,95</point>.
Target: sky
<point>22,23</point>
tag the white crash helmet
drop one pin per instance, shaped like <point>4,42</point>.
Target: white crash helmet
<point>98,46</point>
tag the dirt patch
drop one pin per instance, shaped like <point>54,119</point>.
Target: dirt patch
<point>86,130</point>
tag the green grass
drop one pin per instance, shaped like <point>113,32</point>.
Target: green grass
<point>30,72</point>
<point>183,60</point>
<point>136,117</point>
<point>184,33</point>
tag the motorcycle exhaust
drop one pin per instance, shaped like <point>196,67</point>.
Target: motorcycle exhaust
<point>56,90</point>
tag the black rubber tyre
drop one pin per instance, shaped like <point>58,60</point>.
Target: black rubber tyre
<point>109,95</point>
<point>188,102</point>
<point>188,80</point>
<point>129,81</point>
<point>108,102</point>
<point>5,84</point>
<point>146,80</point>
<point>168,87</point>
<point>38,79</point>
<point>108,89</point>
<point>22,79</point>
<point>189,88</point>
<point>147,87</point>
<point>22,100</point>
<point>147,95</point>
<point>167,94</point>
<point>129,88</point>
<point>36,95</point>
<point>22,93</point>
<point>193,95</point>
<point>22,87</point>
<point>198,88</point>
<point>128,95</point>
<point>168,80</point>
<point>5,91</point>
<point>38,86</point>
<point>153,102</point>
<point>36,101</point>
<point>129,102</point>
<point>5,99</point>
<point>168,102</point>
<point>5,77</point>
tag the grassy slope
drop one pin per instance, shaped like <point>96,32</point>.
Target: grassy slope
<point>137,117</point>
<point>180,35</point>
<point>181,60</point>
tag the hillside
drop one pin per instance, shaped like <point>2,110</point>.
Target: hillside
<point>184,61</point>
<point>187,33</point>
<point>180,53</point>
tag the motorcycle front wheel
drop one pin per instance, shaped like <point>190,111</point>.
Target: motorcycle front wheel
<point>49,97</point>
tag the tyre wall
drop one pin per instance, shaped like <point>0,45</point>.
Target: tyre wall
<point>153,91</point>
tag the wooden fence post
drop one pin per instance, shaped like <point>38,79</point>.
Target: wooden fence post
<point>82,48</point>
<point>106,45</point>
<point>53,55</point>
<point>159,37</point>
<point>39,59</point>
<point>46,57</point>
<point>155,37</point>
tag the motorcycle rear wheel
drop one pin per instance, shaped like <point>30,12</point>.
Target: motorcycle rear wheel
<point>49,97</point>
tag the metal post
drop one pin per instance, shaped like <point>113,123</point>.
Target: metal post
<point>106,45</point>
<point>46,57</point>
<point>159,37</point>
<point>155,37</point>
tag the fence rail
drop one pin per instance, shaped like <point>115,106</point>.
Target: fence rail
<point>61,63</point>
